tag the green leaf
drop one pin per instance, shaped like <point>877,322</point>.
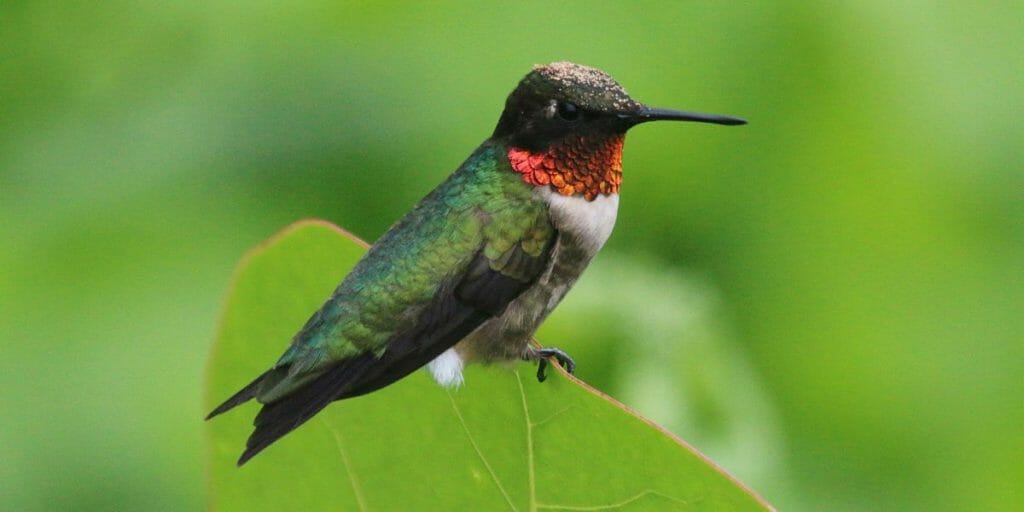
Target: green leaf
<point>501,442</point>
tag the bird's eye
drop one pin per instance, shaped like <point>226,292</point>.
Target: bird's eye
<point>568,111</point>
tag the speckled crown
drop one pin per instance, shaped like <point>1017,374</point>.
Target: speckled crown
<point>585,86</point>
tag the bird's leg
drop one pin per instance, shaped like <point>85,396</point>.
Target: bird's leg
<point>541,355</point>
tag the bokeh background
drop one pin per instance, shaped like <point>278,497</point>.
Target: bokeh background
<point>828,301</point>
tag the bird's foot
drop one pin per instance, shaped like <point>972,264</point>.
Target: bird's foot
<point>542,355</point>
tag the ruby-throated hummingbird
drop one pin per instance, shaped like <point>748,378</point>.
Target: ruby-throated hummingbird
<point>471,272</point>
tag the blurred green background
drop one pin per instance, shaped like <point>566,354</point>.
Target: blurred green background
<point>828,301</point>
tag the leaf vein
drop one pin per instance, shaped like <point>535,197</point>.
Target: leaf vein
<point>479,453</point>
<point>529,445</point>
<point>553,416</point>
<point>610,506</point>
<point>357,489</point>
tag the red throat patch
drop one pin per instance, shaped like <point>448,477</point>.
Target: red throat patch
<point>576,165</point>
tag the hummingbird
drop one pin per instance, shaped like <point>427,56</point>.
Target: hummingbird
<point>469,274</point>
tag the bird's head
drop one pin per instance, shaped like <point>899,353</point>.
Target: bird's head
<point>565,124</point>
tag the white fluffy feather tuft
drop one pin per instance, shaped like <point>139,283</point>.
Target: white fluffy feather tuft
<point>447,369</point>
<point>590,221</point>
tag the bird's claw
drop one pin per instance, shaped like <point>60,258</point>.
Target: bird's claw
<point>542,363</point>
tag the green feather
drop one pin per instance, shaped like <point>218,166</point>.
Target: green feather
<point>484,206</point>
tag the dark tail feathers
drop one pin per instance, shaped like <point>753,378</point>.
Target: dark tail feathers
<point>242,396</point>
<point>287,413</point>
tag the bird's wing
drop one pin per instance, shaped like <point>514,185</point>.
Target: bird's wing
<point>458,259</point>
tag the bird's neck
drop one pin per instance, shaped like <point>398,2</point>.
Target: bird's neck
<point>586,165</point>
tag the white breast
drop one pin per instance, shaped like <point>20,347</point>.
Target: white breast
<point>590,221</point>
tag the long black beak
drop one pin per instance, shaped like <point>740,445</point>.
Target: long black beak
<point>646,114</point>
